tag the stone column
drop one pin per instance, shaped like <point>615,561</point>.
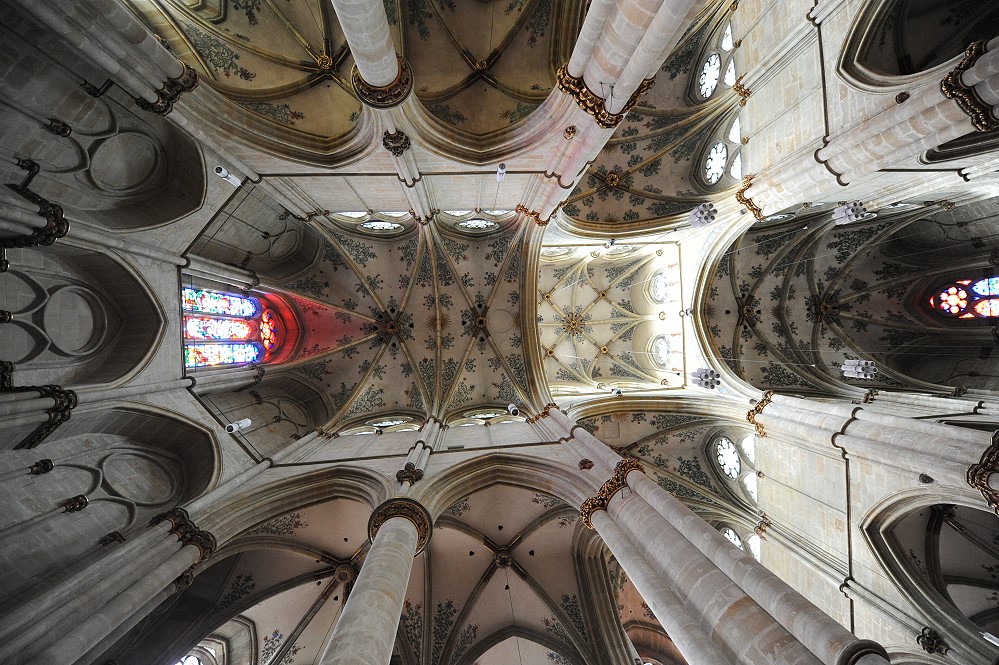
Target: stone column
<point>222,381</point>
<point>365,634</point>
<point>107,593</point>
<point>823,636</point>
<point>239,278</point>
<point>366,29</point>
<point>685,632</point>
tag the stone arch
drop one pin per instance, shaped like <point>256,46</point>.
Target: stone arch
<point>887,45</point>
<point>129,464</point>
<point>907,572</point>
<point>483,647</point>
<point>79,317</point>
<point>112,164</point>
<point>556,479</point>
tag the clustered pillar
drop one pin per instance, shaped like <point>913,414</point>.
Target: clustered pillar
<point>718,603</point>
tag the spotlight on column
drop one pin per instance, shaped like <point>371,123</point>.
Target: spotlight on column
<point>512,409</point>
<point>616,392</point>
<point>223,173</point>
<point>851,211</point>
<point>500,172</point>
<point>706,378</point>
<point>238,425</point>
<point>609,243</point>
<point>859,369</point>
<point>702,215</point>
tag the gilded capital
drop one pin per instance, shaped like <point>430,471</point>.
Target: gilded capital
<point>387,96</point>
<point>757,410</point>
<point>978,474</point>
<point>407,509</point>
<point>967,98</point>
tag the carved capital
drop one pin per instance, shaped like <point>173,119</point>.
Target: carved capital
<point>205,542</point>
<point>757,410</point>
<point>931,642</point>
<point>171,90</point>
<point>533,214</point>
<point>741,90</point>
<point>76,504</point>
<point>113,537</point>
<point>967,98</point>
<point>741,197</point>
<point>407,509</point>
<point>978,474</point>
<point>762,526</point>
<point>409,474</point>
<point>40,467</point>
<point>593,103</point>
<point>396,142</point>
<point>384,97</point>
<point>614,484</point>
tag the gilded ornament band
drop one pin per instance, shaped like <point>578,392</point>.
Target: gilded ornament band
<point>967,98</point>
<point>757,410</point>
<point>384,97</point>
<point>171,90</point>
<point>741,197</point>
<point>593,103</point>
<point>614,484</point>
<point>407,509</point>
<point>978,474</point>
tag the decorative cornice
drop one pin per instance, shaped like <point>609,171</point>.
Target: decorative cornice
<point>409,474</point>
<point>742,90</point>
<point>593,103</point>
<point>533,214</point>
<point>407,509</point>
<point>967,98</point>
<point>614,484</point>
<point>384,97</point>
<point>187,532</point>
<point>741,197</point>
<point>397,143</point>
<point>978,474</point>
<point>171,90</point>
<point>757,410</point>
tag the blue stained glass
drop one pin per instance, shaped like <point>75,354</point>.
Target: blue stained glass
<point>211,355</point>
<point>987,287</point>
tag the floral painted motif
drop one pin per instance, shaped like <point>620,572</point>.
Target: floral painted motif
<point>280,113</point>
<point>218,54</point>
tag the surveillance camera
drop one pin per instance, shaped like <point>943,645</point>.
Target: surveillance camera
<point>616,392</point>
<point>223,173</point>
<point>500,172</point>
<point>238,425</point>
<point>512,409</point>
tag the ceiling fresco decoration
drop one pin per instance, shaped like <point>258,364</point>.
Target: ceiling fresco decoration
<point>644,174</point>
<point>481,67</point>
<point>790,302</point>
<point>284,61</point>
<point>607,318</point>
<point>500,563</point>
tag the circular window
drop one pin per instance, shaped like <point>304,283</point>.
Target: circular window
<point>661,350</point>
<point>728,458</point>
<point>379,225</point>
<point>714,165</point>
<point>658,287</point>
<point>733,537</point>
<point>476,224</point>
<point>708,80</point>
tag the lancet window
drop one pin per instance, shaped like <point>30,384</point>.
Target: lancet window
<point>227,329</point>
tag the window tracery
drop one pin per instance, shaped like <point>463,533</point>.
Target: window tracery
<point>732,537</point>
<point>227,329</point>
<point>707,82</point>
<point>736,463</point>
<point>967,299</point>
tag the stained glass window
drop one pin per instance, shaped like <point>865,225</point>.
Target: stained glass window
<point>477,224</point>
<point>708,80</point>
<point>728,457</point>
<point>714,165</point>
<point>965,299</point>
<point>380,225</point>
<point>227,329</point>
<point>730,74</point>
<point>659,287</point>
<point>732,536</point>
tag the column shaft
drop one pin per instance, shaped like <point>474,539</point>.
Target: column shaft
<point>365,633</point>
<point>366,28</point>
<point>692,642</point>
